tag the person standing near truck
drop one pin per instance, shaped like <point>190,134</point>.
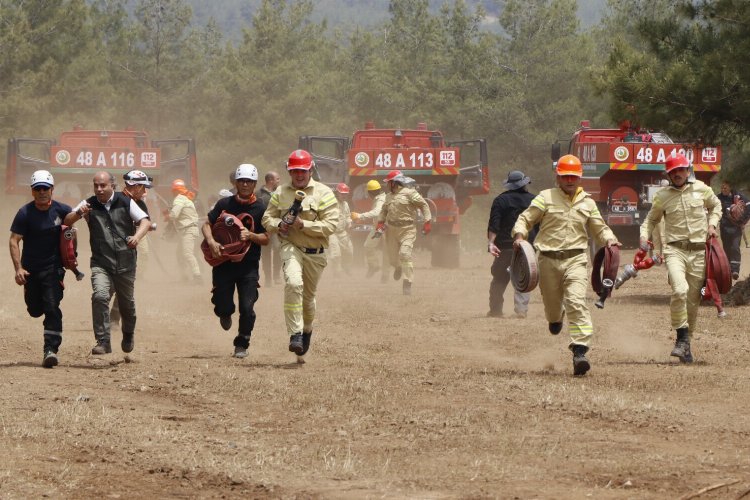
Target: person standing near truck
<point>683,205</point>
<point>184,216</point>
<point>304,239</point>
<point>374,254</point>
<point>567,216</point>
<point>39,267</point>
<point>399,215</point>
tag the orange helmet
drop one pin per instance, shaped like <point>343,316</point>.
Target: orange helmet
<point>342,188</point>
<point>676,161</point>
<point>178,184</point>
<point>300,160</point>
<point>392,174</point>
<point>569,165</point>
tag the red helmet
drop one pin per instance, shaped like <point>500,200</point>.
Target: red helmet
<point>342,188</point>
<point>676,161</point>
<point>392,174</point>
<point>569,165</point>
<point>300,160</point>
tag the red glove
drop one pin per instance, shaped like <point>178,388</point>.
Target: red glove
<point>427,228</point>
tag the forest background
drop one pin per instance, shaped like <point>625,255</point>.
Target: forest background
<point>245,78</point>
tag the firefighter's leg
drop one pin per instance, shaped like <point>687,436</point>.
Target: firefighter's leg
<point>124,285</point>
<point>102,290</point>
<point>696,276</point>
<point>391,246</point>
<point>291,265</point>
<point>575,282</point>
<point>247,296</point>
<point>312,270</point>
<point>551,286</point>
<point>187,251</point>
<point>677,261</point>
<point>406,248</point>
<point>51,296</point>
<point>373,254</point>
<point>222,291</point>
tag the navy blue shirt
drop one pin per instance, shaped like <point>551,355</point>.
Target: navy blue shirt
<point>506,208</point>
<point>256,210</point>
<point>41,235</point>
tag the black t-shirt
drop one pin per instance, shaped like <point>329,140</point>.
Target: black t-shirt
<point>506,208</point>
<point>41,234</point>
<point>256,210</point>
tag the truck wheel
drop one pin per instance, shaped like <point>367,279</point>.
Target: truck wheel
<point>446,251</point>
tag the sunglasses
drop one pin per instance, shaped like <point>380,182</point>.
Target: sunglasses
<point>41,188</point>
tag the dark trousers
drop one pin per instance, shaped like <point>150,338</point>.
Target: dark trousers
<point>500,280</point>
<point>731,237</point>
<point>43,293</point>
<point>225,280</point>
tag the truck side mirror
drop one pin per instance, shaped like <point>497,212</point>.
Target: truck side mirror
<point>555,154</point>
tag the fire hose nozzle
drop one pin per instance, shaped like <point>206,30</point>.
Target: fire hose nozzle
<point>228,221</point>
<point>607,285</point>
<point>628,271</point>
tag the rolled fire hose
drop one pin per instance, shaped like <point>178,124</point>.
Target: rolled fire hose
<point>524,269</point>
<point>226,231</point>
<point>718,274</point>
<point>604,272</point>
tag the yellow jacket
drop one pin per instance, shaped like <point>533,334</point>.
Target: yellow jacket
<point>400,208</point>
<point>345,218</point>
<point>684,212</point>
<point>563,224</point>
<point>183,213</point>
<point>320,214</point>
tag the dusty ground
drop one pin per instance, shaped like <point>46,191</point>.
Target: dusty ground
<point>401,397</point>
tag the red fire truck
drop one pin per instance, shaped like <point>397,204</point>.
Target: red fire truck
<point>446,172</point>
<point>622,169</point>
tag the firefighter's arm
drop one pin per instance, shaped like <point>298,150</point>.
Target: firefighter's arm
<point>418,200</point>
<point>15,256</point>
<point>652,220</point>
<point>529,218</point>
<point>79,212</point>
<point>272,216</point>
<point>713,204</point>
<point>599,229</point>
<point>374,212</point>
<point>177,207</point>
<point>213,245</point>
<point>327,220</point>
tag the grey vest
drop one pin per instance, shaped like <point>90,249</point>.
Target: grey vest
<point>108,231</point>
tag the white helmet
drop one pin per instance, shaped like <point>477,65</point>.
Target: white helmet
<point>246,171</point>
<point>42,178</point>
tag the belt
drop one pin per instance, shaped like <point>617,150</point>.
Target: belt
<point>400,224</point>
<point>312,250</point>
<point>562,254</point>
<point>687,245</point>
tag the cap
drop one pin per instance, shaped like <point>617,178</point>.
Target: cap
<point>516,180</point>
<point>135,177</point>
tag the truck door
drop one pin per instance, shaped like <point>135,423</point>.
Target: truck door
<point>329,153</point>
<point>474,174</point>
<point>24,157</point>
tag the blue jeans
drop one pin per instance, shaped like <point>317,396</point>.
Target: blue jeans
<point>104,285</point>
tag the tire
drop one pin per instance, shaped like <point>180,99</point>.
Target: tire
<point>446,251</point>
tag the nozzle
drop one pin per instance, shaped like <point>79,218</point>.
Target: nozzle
<point>299,195</point>
<point>628,271</point>
<point>228,221</point>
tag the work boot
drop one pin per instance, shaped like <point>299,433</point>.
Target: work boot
<point>128,342</point>
<point>555,328</point>
<point>682,346</point>
<point>102,347</point>
<point>580,363</point>
<point>306,337</point>
<point>50,359</point>
<point>240,352</point>
<point>406,287</point>
<point>397,273</point>
<point>226,322</point>
<point>296,344</point>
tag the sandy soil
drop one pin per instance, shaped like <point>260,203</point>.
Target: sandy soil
<point>401,397</point>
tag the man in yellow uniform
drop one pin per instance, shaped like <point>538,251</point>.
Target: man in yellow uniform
<point>683,206</point>
<point>184,216</point>
<point>398,215</point>
<point>304,239</point>
<point>341,250</point>
<point>566,216</point>
<point>374,256</point>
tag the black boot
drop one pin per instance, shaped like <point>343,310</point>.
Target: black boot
<point>682,346</point>
<point>306,337</point>
<point>580,363</point>
<point>296,343</point>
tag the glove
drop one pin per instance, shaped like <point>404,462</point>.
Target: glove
<point>427,228</point>
<point>355,215</point>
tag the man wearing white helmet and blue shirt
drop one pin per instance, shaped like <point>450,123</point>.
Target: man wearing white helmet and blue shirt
<point>39,267</point>
<point>243,275</point>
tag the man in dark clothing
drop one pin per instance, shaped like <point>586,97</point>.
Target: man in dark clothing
<point>243,275</point>
<point>732,224</point>
<point>116,225</point>
<point>39,270</point>
<point>270,258</point>
<point>506,208</point>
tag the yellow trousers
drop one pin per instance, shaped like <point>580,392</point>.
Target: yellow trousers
<point>186,250</point>
<point>302,273</point>
<point>686,270</point>
<point>563,283</point>
<point>399,242</point>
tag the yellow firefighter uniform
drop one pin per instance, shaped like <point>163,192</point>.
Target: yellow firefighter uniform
<point>562,242</point>
<point>372,244</point>
<point>302,251</point>
<point>340,244</point>
<point>185,219</point>
<point>399,213</point>
<point>683,210</point>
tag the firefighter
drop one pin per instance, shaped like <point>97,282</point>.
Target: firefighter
<point>506,208</point>
<point>184,217</point>
<point>374,255</point>
<point>304,239</point>
<point>566,216</point>
<point>683,206</point>
<point>39,267</point>
<point>341,250</point>
<point>243,275</point>
<point>734,216</point>
<point>399,215</point>
<point>270,259</point>
<point>116,226</point>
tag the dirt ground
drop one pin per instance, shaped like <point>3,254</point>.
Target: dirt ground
<point>401,397</point>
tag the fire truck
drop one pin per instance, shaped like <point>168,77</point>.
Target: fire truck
<point>623,168</point>
<point>77,155</point>
<point>447,173</point>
